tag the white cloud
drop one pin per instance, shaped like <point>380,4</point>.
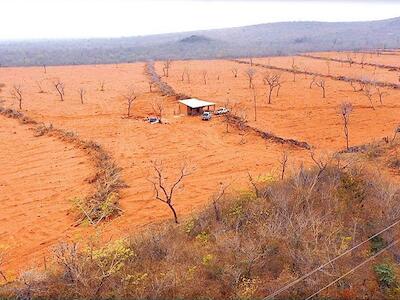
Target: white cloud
<point>112,18</point>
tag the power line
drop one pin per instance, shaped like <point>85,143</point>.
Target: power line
<point>353,269</point>
<point>287,286</point>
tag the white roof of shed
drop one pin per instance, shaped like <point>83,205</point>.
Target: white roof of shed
<point>196,103</point>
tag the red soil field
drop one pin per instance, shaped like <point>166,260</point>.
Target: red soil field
<point>214,155</point>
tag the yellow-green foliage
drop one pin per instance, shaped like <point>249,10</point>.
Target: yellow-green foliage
<point>111,258</point>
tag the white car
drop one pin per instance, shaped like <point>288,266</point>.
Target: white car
<point>206,116</point>
<point>221,111</point>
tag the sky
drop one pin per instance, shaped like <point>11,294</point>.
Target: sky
<point>43,19</point>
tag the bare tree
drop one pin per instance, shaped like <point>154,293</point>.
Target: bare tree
<point>295,70</point>
<point>350,59</point>
<point>328,64</point>
<point>102,85</point>
<point>216,198</point>
<point>362,61</point>
<point>130,97</point>
<point>283,162</point>
<point>44,69</point>
<point>17,93</point>
<point>353,86</point>
<point>255,103</point>
<point>187,74</point>
<point>381,93</point>
<point>314,79</point>
<point>59,86</point>
<point>158,107</point>
<point>235,72</point>
<point>167,65</point>
<point>367,91</point>
<point>164,193</point>
<point>250,72</point>
<point>39,85</point>
<point>273,81</point>
<point>321,84</point>
<point>204,73</point>
<point>346,108</point>
<point>82,93</point>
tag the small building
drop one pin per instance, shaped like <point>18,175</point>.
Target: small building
<point>195,106</point>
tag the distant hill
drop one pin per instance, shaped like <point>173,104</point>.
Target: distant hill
<point>258,40</point>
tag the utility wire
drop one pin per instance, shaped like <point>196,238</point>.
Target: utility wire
<point>353,269</point>
<point>289,285</point>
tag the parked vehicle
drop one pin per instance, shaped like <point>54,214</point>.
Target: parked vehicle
<point>221,111</point>
<point>206,116</point>
<point>153,120</point>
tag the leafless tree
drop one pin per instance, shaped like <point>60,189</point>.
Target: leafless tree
<point>82,93</point>
<point>167,65</point>
<point>164,193</point>
<point>158,107</point>
<point>346,108</point>
<point>328,64</point>
<point>150,86</point>
<point>273,81</point>
<point>283,162</point>
<point>321,84</point>
<point>216,198</point>
<point>350,59</point>
<point>235,72</point>
<point>362,61</point>
<point>59,86</point>
<point>255,103</point>
<point>17,93</point>
<point>40,88</point>
<point>251,61</point>
<point>367,91</point>
<point>295,69</point>
<point>353,86</point>
<point>44,69</point>
<point>102,85</point>
<point>204,73</point>
<point>250,72</point>
<point>381,93</point>
<point>314,79</point>
<point>187,74</point>
<point>130,97</point>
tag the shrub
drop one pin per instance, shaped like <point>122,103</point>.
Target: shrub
<point>385,274</point>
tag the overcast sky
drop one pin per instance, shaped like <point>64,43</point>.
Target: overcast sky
<point>32,19</point>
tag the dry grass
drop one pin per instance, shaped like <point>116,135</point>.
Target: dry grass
<point>257,244</point>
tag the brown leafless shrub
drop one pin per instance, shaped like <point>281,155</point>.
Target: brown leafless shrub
<point>273,81</point>
<point>82,93</point>
<point>162,191</point>
<point>346,108</point>
<point>321,84</point>
<point>60,88</point>
<point>130,97</point>
<point>17,93</point>
<point>251,73</point>
<point>166,66</point>
<point>39,86</point>
<point>102,85</point>
<point>235,72</point>
<point>204,74</point>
